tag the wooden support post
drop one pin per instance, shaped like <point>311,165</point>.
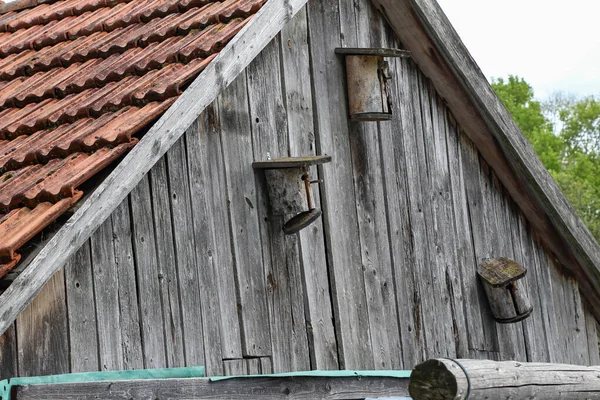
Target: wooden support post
<point>483,379</point>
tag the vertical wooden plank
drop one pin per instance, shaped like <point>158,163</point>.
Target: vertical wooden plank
<point>536,337</point>
<point>8,354</point>
<point>511,338</point>
<point>371,207</point>
<point>315,281</point>
<point>570,318</point>
<point>83,335</point>
<point>416,204</point>
<point>146,262</point>
<point>341,225</point>
<point>547,306</point>
<point>253,366</point>
<point>242,199</point>
<point>430,174</point>
<point>395,173</point>
<point>43,347</point>
<point>209,237</point>
<point>280,252</point>
<point>466,261</point>
<point>185,255</point>
<point>235,367</point>
<point>167,267</point>
<point>128,300</point>
<point>444,222</point>
<point>480,232</point>
<point>223,263</point>
<point>581,355</point>
<point>266,366</point>
<point>593,337</point>
<point>106,286</point>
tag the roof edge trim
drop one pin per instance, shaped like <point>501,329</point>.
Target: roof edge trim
<point>425,30</point>
<point>230,62</point>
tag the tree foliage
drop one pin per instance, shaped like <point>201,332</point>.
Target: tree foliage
<point>565,133</point>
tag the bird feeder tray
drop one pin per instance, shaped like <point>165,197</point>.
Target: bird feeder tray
<point>289,187</point>
<point>368,79</point>
<point>380,52</point>
<point>503,283</point>
<point>291,162</point>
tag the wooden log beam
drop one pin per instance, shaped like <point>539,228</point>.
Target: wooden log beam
<point>482,379</point>
<point>435,46</point>
<point>230,62</point>
<point>267,388</point>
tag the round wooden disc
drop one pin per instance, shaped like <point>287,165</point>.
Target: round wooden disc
<point>301,221</point>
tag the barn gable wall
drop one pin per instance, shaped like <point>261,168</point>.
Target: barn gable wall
<point>192,269</point>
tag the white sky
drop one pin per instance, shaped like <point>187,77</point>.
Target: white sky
<point>553,44</point>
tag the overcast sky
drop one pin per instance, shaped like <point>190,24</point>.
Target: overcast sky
<point>553,44</point>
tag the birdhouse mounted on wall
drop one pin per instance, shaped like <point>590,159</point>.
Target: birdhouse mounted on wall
<point>290,192</point>
<point>368,78</point>
<point>503,283</point>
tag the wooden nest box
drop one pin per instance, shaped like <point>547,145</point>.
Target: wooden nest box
<point>368,77</point>
<point>503,284</point>
<point>289,186</point>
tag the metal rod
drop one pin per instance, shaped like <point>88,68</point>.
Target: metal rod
<point>307,187</point>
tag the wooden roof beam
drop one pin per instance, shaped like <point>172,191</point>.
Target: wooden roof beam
<point>424,29</point>
<point>230,62</point>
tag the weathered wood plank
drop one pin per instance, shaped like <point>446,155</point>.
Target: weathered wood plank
<point>338,200</point>
<point>81,309</point>
<point>185,255</point>
<point>128,301</point>
<point>106,288</point>
<point>242,199</point>
<point>214,248</point>
<point>146,262</point>
<point>297,388</point>
<point>465,252</point>
<point>8,354</point>
<point>395,173</point>
<point>205,248</point>
<point>370,205</point>
<point>473,379</point>
<point>232,60</point>
<point>534,329</point>
<point>235,367</point>
<point>570,318</point>
<point>480,231</point>
<point>280,253</point>
<point>315,281</point>
<point>433,175</point>
<point>43,347</point>
<point>445,223</point>
<point>545,289</point>
<point>427,33</point>
<point>253,366</point>
<point>210,138</point>
<point>511,338</point>
<point>593,337</point>
<point>167,268</point>
<point>266,365</point>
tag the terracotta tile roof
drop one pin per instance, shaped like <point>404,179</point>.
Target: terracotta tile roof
<point>78,79</point>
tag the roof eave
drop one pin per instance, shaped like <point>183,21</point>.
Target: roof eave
<point>225,68</point>
<point>424,29</point>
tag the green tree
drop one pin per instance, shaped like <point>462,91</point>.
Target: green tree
<point>565,133</point>
<point>518,97</point>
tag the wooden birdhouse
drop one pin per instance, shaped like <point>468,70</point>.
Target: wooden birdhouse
<point>368,79</point>
<point>503,284</point>
<point>289,186</point>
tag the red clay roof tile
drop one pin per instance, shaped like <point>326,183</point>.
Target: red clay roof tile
<point>24,223</point>
<point>78,79</point>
